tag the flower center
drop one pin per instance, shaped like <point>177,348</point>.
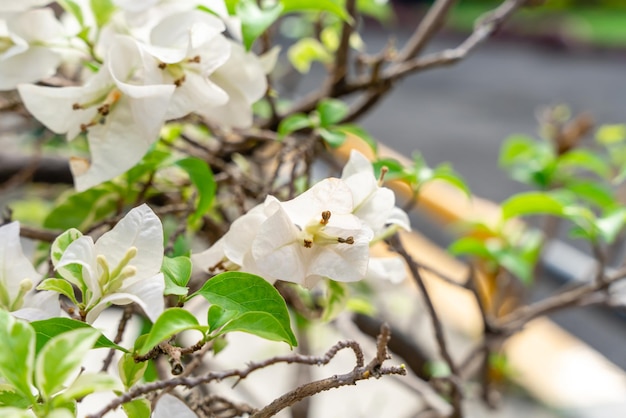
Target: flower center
<point>314,233</point>
<point>111,280</point>
<point>5,43</point>
<point>177,70</point>
<point>5,299</point>
<point>105,104</point>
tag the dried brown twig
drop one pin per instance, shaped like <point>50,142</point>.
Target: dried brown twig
<point>361,371</point>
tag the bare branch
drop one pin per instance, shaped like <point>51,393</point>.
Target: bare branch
<point>428,27</point>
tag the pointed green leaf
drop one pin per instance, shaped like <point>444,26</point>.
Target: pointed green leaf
<point>531,203</point>
<point>585,160</point>
<point>17,356</point>
<point>10,397</point>
<point>169,323</point>
<point>336,299</point>
<point>137,408</point>
<point>593,192</point>
<point>361,133</point>
<point>60,357</point>
<point>331,112</point>
<point>333,137</point>
<point>61,286</point>
<point>80,210</point>
<point>243,292</point>
<point>261,324</point>
<point>332,6</point>
<point>61,243</point>
<point>293,123</point>
<point>46,329</point>
<point>445,173</point>
<point>86,384</point>
<point>612,224</point>
<point>202,177</point>
<point>470,246</point>
<point>177,272</point>
<point>254,20</point>
<point>74,9</point>
<point>130,371</point>
<point>305,51</point>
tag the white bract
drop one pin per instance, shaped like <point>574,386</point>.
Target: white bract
<point>121,267</point>
<point>373,204</point>
<point>304,240</point>
<point>25,53</point>
<point>18,279</point>
<point>120,114</point>
<point>188,47</point>
<point>243,78</point>
<point>323,233</point>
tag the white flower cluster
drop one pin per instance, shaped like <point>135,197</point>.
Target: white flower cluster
<point>160,60</point>
<point>325,232</point>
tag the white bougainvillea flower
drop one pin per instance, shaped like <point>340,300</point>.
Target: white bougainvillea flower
<point>304,240</point>
<point>116,109</point>
<point>188,47</point>
<point>18,279</point>
<point>243,78</point>
<point>373,204</point>
<point>121,267</point>
<point>20,6</point>
<point>25,54</point>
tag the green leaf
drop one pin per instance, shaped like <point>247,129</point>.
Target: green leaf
<point>152,161</point>
<point>10,397</point>
<point>80,210</point>
<point>380,10</point>
<point>515,264</point>
<point>130,371</point>
<point>47,329</point>
<point>177,272</point>
<point>202,177</point>
<point>72,272</point>
<point>611,225</point>
<point>445,173</point>
<point>102,11</point>
<point>514,147</point>
<point>593,192</point>
<point>218,316</point>
<point>470,246</point>
<point>170,322</point>
<point>528,161</point>
<point>361,133</point>
<point>17,356</point>
<point>337,296</point>
<point>86,384</point>
<point>586,160</point>
<point>261,324</point>
<point>293,123</point>
<point>532,203</point>
<point>74,9</point>
<point>331,112</point>
<point>61,286</point>
<point>137,408</point>
<point>333,137</point>
<point>395,169</point>
<point>254,20</point>
<point>331,6</point>
<point>305,51</point>
<point>611,134</point>
<point>243,293</point>
<point>60,357</point>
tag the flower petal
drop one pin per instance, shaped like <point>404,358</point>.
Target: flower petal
<point>142,229</point>
<point>14,265</point>
<point>148,294</point>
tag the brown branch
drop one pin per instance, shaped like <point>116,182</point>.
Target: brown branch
<point>126,316</point>
<point>373,369</point>
<point>340,69</point>
<point>456,391</point>
<point>428,27</point>
<point>191,382</point>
